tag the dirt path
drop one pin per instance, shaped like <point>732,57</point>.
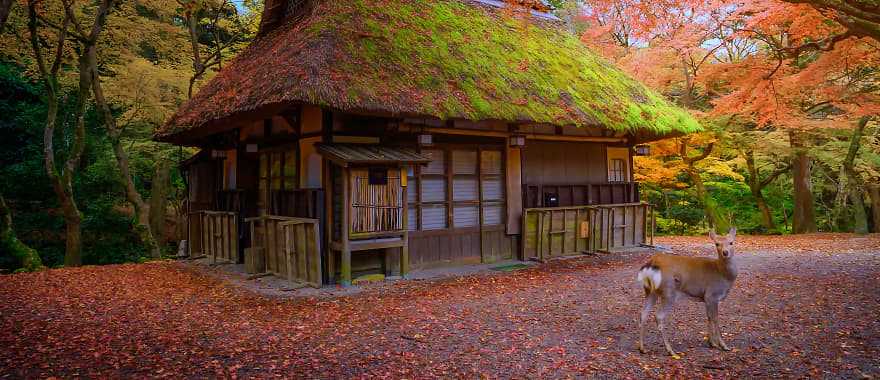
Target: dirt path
<point>802,307</point>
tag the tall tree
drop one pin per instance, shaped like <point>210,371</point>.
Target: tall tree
<point>856,187</point>
<point>61,180</point>
<point>711,209</point>
<point>88,40</point>
<point>137,202</point>
<point>804,215</point>
<point>758,180</point>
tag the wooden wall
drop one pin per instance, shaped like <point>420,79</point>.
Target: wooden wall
<point>203,185</point>
<point>460,246</point>
<point>557,162</point>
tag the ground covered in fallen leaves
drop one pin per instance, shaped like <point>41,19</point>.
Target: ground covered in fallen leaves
<point>803,306</point>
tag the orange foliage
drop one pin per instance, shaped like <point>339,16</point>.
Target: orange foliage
<point>769,62</point>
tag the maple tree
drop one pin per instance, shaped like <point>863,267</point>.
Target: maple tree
<point>773,65</point>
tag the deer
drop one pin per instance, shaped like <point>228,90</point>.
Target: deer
<point>666,278</point>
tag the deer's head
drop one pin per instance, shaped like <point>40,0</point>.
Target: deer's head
<point>723,243</point>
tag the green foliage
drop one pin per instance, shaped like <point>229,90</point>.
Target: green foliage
<point>107,224</point>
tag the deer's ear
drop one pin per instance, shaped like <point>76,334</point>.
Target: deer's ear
<point>732,233</point>
<point>712,234</point>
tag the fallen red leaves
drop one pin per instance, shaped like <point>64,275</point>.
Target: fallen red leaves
<point>809,314</point>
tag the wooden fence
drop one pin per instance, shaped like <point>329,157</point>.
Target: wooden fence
<point>214,234</point>
<point>292,247</point>
<point>561,231</point>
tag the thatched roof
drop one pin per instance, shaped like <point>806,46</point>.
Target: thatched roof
<point>449,59</point>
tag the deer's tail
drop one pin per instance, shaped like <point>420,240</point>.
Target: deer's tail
<point>650,277</point>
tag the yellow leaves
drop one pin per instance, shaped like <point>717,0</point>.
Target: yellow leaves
<point>150,93</point>
<point>720,168</point>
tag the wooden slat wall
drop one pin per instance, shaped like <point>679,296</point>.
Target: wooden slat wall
<point>564,162</point>
<point>460,246</point>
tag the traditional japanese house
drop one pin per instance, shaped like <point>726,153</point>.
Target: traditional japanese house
<point>369,136</point>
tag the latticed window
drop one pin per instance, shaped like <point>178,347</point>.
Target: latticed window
<point>277,172</point>
<point>459,188</point>
<point>617,171</point>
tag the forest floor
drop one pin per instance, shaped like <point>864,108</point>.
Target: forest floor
<point>803,306</point>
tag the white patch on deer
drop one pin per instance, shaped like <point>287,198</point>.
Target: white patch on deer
<point>650,277</point>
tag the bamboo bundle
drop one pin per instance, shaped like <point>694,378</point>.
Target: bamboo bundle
<point>376,208</point>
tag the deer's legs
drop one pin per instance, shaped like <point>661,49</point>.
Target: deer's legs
<point>665,307</point>
<point>650,299</point>
<point>714,330</point>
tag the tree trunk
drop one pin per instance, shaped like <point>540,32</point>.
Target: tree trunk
<point>756,187</point>
<point>840,198</point>
<point>62,182</point>
<point>855,184</point>
<point>803,218</point>
<point>141,214</point>
<point>159,200</point>
<point>874,193</point>
<point>708,203</point>
<point>27,256</point>
<point>114,133</point>
<point>709,206</point>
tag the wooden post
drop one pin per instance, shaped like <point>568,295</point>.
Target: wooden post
<point>235,235</point>
<point>346,229</point>
<point>328,219</point>
<point>404,251</point>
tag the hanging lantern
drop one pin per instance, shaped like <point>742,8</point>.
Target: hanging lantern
<point>426,140</point>
<point>517,141</point>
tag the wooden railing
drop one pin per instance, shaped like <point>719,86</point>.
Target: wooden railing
<point>291,247</point>
<point>581,194</point>
<point>561,231</point>
<point>214,234</point>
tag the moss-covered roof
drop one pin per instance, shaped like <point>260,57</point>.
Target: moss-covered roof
<point>450,59</point>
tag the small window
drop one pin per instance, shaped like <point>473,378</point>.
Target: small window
<point>617,171</point>
<point>378,176</point>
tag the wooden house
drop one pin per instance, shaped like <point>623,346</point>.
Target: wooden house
<point>370,136</point>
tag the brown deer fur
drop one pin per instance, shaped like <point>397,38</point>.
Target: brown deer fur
<point>668,277</point>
